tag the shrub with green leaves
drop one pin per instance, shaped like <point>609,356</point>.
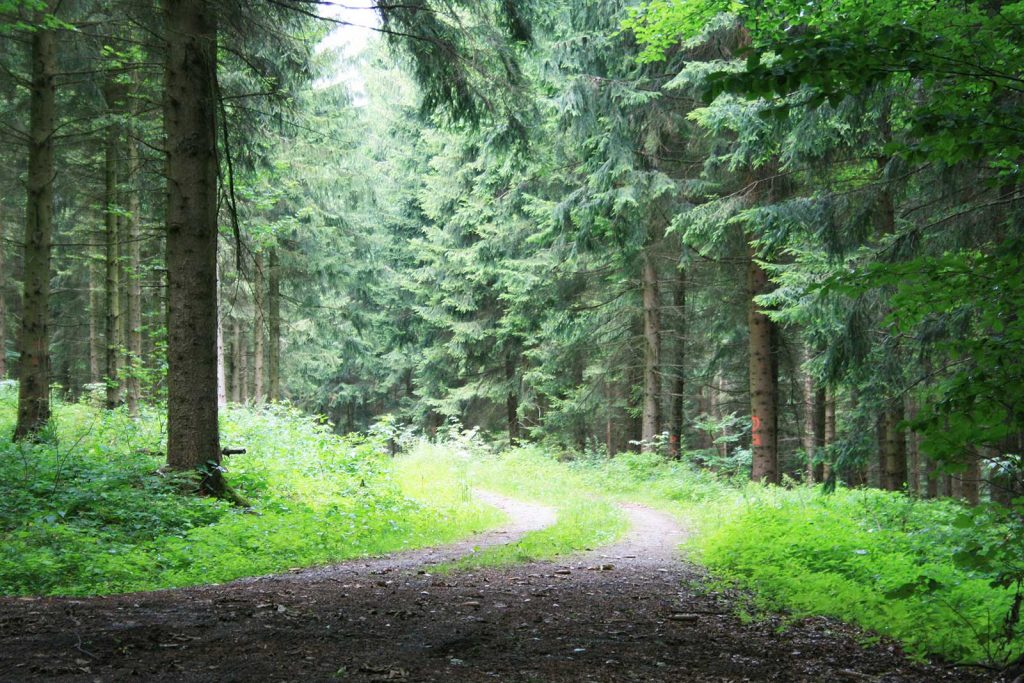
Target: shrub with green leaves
<point>92,511</point>
<point>883,560</point>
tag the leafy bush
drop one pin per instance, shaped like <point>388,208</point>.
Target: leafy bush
<point>92,512</point>
<point>882,560</point>
<point>653,478</point>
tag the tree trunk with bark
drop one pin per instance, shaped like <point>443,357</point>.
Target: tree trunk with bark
<point>763,382</point>
<point>830,429</point>
<point>931,478</point>
<point>893,444</point>
<point>243,366</point>
<point>819,435</point>
<point>512,401</point>
<point>651,417</point>
<point>193,440</point>
<point>95,316</point>
<point>945,487</point>
<point>3,303</point>
<point>811,429</point>
<point>134,281</point>
<point>706,407</point>
<point>677,398</point>
<point>914,456</point>
<point>717,398</point>
<point>222,367</point>
<point>237,378</point>
<point>970,487</point>
<point>274,328</point>
<point>609,442</point>
<point>259,326</point>
<point>34,370</point>
<point>113,94</point>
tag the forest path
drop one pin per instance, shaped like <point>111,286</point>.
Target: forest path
<point>633,611</point>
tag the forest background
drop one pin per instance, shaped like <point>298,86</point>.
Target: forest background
<point>764,240</point>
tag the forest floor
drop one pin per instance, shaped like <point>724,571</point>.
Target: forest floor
<point>634,611</point>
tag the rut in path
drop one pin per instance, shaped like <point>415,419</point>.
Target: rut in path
<point>633,611</point>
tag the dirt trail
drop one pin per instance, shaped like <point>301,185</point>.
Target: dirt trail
<point>523,517</point>
<point>630,612</point>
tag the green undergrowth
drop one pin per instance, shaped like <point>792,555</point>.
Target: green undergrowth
<point>933,574</point>
<point>88,510</point>
<point>895,565</point>
<point>585,518</point>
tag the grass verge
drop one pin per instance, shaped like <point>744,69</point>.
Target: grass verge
<point>586,519</point>
<point>89,512</point>
<point>931,573</point>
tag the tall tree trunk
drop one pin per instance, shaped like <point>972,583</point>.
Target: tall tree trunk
<point>111,211</point>
<point>634,423</point>
<point>611,407</point>
<point>259,327</point>
<point>970,487</point>
<point>830,433</point>
<point>763,383</point>
<point>914,455</point>
<point>894,450</point>
<point>95,317</point>
<point>651,418</point>
<point>931,479</point>
<point>876,470</point>
<point>243,367</point>
<point>274,328</point>
<point>809,438</point>
<point>609,442</point>
<point>819,434</point>
<point>134,281</point>
<point>3,302</point>
<point>860,476</point>
<point>34,372</point>
<point>512,401</point>
<point>124,362</point>
<point>946,485</point>
<point>705,407</point>
<point>193,440</point>
<point>717,397</point>
<point>677,399</point>
<point>222,375</point>
<point>955,486</point>
<point>893,445</point>
<point>237,378</point>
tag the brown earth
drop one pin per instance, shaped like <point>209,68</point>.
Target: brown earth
<point>631,612</point>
